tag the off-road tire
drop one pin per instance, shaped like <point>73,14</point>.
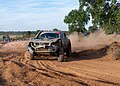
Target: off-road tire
<point>61,58</point>
<point>31,56</point>
<point>68,50</point>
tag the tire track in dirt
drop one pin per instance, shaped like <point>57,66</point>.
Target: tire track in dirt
<point>51,72</point>
<point>47,70</point>
<point>55,73</point>
<point>41,68</point>
<point>94,71</point>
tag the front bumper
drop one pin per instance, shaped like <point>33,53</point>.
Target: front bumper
<point>43,49</point>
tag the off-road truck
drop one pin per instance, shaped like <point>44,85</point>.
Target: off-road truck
<point>54,43</point>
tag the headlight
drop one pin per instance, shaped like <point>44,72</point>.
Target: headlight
<point>55,43</point>
<point>54,47</point>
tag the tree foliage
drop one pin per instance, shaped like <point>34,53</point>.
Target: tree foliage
<point>105,14</point>
<point>76,20</point>
<point>92,29</point>
<point>112,21</point>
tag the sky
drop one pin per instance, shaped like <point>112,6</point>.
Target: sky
<point>29,15</point>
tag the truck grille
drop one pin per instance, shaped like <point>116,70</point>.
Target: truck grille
<point>42,49</point>
<point>41,44</point>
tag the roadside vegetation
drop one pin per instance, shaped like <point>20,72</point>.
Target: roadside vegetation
<point>104,14</point>
<point>17,35</point>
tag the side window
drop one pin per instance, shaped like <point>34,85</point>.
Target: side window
<point>61,35</point>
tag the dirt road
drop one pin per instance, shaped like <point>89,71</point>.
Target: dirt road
<point>84,68</point>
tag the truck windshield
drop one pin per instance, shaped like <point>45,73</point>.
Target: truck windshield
<point>48,35</point>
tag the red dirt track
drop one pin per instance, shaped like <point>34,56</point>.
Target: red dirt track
<point>88,67</point>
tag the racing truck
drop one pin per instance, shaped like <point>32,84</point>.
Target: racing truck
<point>54,43</point>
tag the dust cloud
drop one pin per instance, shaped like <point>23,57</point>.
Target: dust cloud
<point>94,40</point>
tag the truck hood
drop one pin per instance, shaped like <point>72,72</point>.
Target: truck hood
<point>46,40</point>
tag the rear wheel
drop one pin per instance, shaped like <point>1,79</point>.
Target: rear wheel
<point>68,50</point>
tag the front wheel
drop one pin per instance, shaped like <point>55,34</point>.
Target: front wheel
<point>31,56</point>
<point>61,58</point>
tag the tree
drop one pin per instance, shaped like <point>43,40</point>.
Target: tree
<point>76,20</point>
<point>105,14</point>
<point>112,20</point>
<point>92,29</point>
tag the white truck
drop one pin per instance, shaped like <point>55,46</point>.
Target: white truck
<point>54,43</point>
